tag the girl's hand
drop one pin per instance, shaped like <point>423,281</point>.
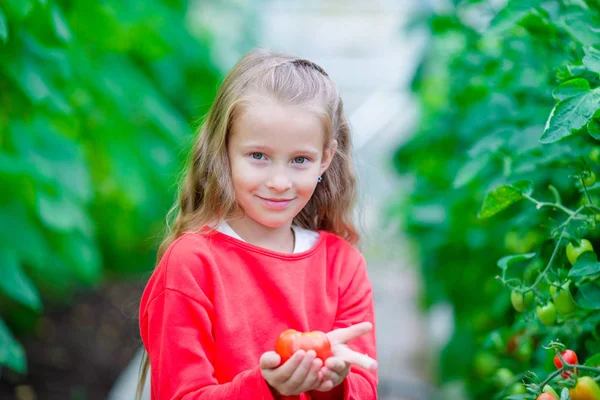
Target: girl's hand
<point>338,367</point>
<point>297,375</point>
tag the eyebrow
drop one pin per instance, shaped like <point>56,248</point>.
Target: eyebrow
<point>266,149</point>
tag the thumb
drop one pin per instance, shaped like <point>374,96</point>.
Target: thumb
<point>270,360</point>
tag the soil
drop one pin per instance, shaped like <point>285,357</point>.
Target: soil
<point>78,352</point>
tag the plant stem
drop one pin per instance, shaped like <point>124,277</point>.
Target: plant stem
<point>540,204</point>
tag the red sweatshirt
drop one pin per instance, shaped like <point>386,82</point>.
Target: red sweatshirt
<point>215,304</point>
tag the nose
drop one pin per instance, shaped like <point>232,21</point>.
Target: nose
<point>279,180</point>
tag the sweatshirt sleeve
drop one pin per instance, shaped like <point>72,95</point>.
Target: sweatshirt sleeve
<point>177,333</point>
<point>356,305</point>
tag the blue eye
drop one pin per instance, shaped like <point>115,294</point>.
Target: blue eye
<point>300,160</point>
<point>257,156</point>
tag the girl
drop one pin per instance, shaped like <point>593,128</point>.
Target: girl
<point>262,241</point>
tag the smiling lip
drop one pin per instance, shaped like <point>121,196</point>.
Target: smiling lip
<point>276,204</point>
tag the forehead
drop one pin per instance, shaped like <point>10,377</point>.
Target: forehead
<point>271,123</point>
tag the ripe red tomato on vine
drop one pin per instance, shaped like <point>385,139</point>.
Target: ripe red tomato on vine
<point>570,357</point>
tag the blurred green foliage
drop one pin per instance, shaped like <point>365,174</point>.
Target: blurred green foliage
<point>507,93</point>
<point>97,100</point>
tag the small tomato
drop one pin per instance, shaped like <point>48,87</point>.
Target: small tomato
<point>547,314</point>
<point>550,390</point>
<point>562,299</point>
<point>585,389</point>
<point>546,396</point>
<point>521,301</point>
<point>595,154</point>
<point>589,179</point>
<point>290,341</point>
<point>570,357</point>
<point>573,252</point>
<point>517,388</point>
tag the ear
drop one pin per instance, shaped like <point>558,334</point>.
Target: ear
<point>328,154</point>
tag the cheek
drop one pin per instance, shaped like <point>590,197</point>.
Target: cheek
<point>244,177</point>
<point>306,185</point>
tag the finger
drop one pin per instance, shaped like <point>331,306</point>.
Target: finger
<point>270,360</point>
<point>335,363</point>
<point>299,375</point>
<point>344,335</point>
<point>312,379</point>
<point>286,371</point>
<point>352,357</point>
<point>326,386</point>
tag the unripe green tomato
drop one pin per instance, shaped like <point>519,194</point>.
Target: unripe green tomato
<point>485,364</point>
<point>547,314</point>
<point>525,349</point>
<point>589,179</point>
<point>503,377</point>
<point>517,388</point>
<point>562,299</point>
<point>573,252</point>
<point>521,301</point>
<point>595,154</point>
<point>550,390</point>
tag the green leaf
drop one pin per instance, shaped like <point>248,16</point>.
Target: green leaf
<point>587,264</point>
<point>592,59</point>
<point>593,128</point>
<point>593,361</point>
<point>504,196</point>
<point>570,114</point>
<point>581,26</point>
<point>11,352</point>
<point>588,296</point>
<point>30,79</point>
<point>82,256</point>
<point>15,284</point>
<point>28,242</point>
<point>564,395</point>
<point>18,9</point>
<point>469,171</point>
<point>512,14</point>
<point>60,25</point>
<point>571,88</point>
<point>524,186</point>
<point>62,213</point>
<point>506,261</point>
<point>3,27</point>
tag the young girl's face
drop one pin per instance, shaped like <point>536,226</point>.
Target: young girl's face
<point>276,154</point>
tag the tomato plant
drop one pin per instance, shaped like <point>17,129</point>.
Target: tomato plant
<point>290,341</point>
<point>502,198</point>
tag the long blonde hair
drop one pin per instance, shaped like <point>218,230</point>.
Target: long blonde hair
<point>206,192</point>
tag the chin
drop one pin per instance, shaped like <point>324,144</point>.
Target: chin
<point>273,222</point>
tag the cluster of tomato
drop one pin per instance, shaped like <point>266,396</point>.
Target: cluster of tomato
<point>561,302</point>
<point>585,388</point>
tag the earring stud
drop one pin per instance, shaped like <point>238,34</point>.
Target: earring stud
<point>320,179</point>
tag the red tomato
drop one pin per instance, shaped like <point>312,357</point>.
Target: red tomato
<point>290,341</point>
<point>570,357</point>
<point>546,396</point>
